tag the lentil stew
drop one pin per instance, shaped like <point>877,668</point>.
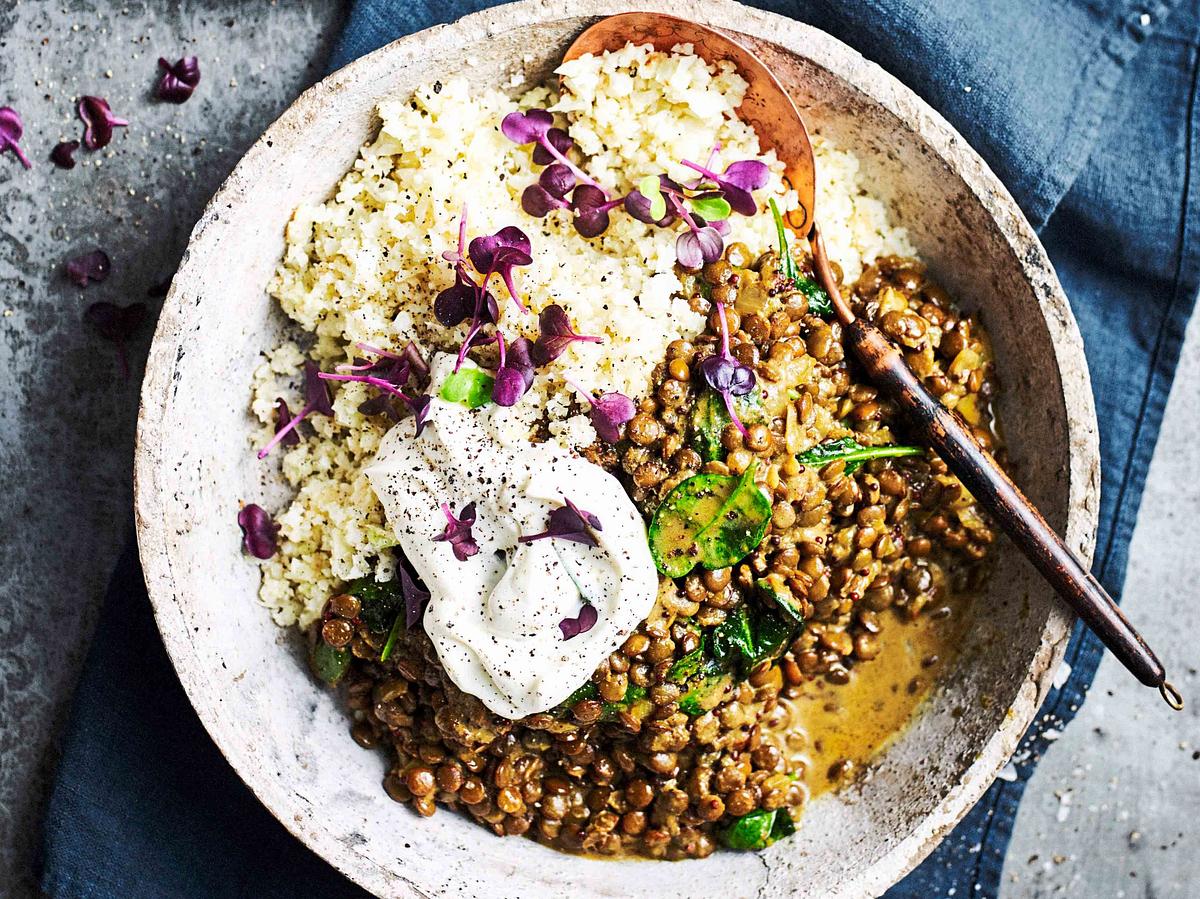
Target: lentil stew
<point>748,689</point>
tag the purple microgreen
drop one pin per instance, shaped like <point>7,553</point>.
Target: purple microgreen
<point>259,531</point>
<point>283,416</point>
<point>459,257</point>
<point>116,324</point>
<point>699,246</point>
<point>63,154</point>
<point>556,334</point>
<point>725,374</point>
<point>456,304</point>
<point>411,354</point>
<point>712,207</point>
<point>739,179</point>
<point>177,81</point>
<point>642,207</point>
<point>458,532</point>
<point>557,180</point>
<point>380,404</point>
<point>515,373</point>
<point>11,129</point>
<point>591,206</point>
<point>98,122</point>
<point>539,202</point>
<point>608,413</point>
<point>419,405</point>
<point>415,597</point>
<point>535,126</point>
<point>501,253</point>
<point>559,140</point>
<point>522,355</point>
<point>93,266</point>
<point>526,127</point>
<point>316,399</point>
<point>580,624</point>
<point>650,189</point>
<point>569,522</point>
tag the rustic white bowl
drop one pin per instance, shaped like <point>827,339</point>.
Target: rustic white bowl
<point>288,738</point>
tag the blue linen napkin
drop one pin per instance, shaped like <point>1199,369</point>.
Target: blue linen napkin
<point>1086,110</point>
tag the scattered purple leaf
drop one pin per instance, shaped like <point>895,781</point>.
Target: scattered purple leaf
<point>526,127</point>
<point>724,374</point>
<point>98,122</point>
<point>415,596</point>
<point>569,522</point>
<point>608,413</point>
<point>259,531</point>
<point>456,304</point>
<point>316,399</point>
<point>539,202</point>
<point>501,253</point>
<point>283,415</point>
<point>736,184</point>
<point>458,532</point>
<point>93,266</point>
<point>11,129</point>
<point>557,180</point>
<point>177,81</point>
<point>515,374</point>
<point>697,247</point>
<point>63,154</point>
<point>556,334</point>
<point>580,624</point>
<point>116,324</point>
<point>556,138</point>
<point>591,207</point>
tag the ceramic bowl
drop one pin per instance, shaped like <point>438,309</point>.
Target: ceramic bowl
<point>288,738</point>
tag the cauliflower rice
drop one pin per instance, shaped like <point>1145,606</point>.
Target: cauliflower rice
<point>365,266</point>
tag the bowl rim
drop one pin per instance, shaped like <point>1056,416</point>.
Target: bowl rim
<point>844,63</point>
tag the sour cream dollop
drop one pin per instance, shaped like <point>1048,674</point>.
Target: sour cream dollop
<point>494,619</point>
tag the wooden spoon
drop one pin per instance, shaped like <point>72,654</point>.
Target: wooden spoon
<point>774,117</point>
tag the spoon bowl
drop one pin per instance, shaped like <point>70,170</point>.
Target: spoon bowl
<point>766,107</point>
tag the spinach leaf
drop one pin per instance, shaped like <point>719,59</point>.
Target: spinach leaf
<point>784,826</point>
<point>772,634</point>
<point>472,387</point>
<point>327,663</point>
<point>752,831</point>
<point>709,418</point>
<point>854,453</point>
<point>633,693</point>
<point>733,638</point>
<point>758,829</point>
<point>685,667</point>
<point>819,302</point>
<point>705,692</point>
<point>381,603</point>
<point>710,519</point>
<point>775,591</point>
<point>386,652</point>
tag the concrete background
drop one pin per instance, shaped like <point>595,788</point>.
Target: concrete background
<point>1108,813</point>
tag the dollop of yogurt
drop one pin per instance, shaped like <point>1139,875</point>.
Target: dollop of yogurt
<point>494,618</point>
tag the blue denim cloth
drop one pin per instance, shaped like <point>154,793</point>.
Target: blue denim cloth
<point>1086,110</point>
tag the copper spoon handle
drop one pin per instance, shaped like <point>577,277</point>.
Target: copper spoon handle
<point>946,432</point>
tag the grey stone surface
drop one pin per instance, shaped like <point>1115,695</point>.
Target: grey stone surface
<point>66,415</point>
<point>1108,812</point>
<point>1111,810</point>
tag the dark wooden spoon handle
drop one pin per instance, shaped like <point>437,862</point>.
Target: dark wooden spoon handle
<point>946,432</point>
